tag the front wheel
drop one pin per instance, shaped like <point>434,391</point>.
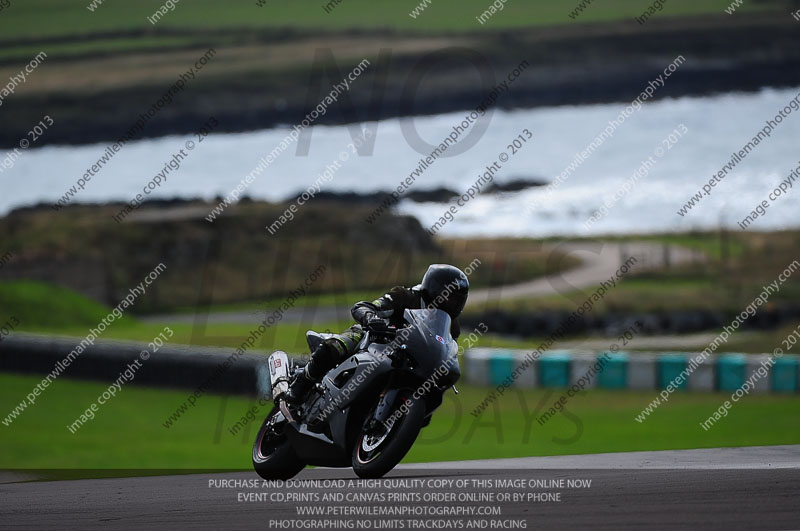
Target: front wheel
<point>379,449</point>
<point>273,457</point>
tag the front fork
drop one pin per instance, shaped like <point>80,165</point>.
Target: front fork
<point>383,410</point>
<point>385,406</point>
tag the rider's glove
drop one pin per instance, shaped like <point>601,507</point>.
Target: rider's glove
<point>376,324</point>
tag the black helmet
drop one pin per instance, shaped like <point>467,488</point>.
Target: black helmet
<point>445,287</point>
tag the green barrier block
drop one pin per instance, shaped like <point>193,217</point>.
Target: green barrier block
<point>554,369</point>
<point>731,370</point>
<point>784,375</point>
<point>670,367</point>
<point>614,373</point>
<point>501,365</point>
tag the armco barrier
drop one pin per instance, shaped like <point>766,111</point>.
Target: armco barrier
<point>582,363</point>
<point>615,372</point>
<point>702,377</point>
<point>554,369</point>
<point>670,367</point>
<point>476,367</point>
<point>501,365</point>
<point>754,363</point>
<point>172,366</point>
<point>189,367</point>
<point>635,370</point>
<point>731,371</point>
<point>785,375</point>
<point>642,371</point>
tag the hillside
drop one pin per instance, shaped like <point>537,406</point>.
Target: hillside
<point>235,259</point>
<point>251,70</point>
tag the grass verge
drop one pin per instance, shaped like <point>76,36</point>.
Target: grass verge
<point>127,432</point>
<point>71,17</point>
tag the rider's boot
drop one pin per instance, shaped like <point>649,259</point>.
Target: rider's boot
<point>299,389</point>
<point>324,358</point>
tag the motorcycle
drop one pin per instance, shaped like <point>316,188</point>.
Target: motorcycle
<point>367,412</point>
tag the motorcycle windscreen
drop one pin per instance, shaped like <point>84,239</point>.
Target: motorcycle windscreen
<point>429,341</point>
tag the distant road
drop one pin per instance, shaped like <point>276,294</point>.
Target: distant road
<point>600,261</point>
<point>715,488</point>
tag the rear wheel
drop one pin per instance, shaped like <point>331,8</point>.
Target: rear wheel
<point>273,457</point>
<point>378,449</point>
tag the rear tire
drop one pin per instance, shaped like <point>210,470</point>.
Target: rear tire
<point>273,457</point>
<point>376,454</point>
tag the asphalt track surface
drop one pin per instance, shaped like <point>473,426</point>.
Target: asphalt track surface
<point>735,488</point>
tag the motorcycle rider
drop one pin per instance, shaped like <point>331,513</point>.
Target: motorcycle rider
<point>444,287</point>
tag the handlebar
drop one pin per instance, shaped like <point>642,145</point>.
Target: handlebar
<point>389,332</point>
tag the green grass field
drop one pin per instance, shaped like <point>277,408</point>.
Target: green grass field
<point>291,337</point>
<point>47,306</point>
<point>288,337</point>
<point>127,432</point>
<point>710,243</point>
<point>71,17</point>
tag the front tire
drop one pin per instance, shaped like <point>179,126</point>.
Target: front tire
<point>273,457</point>
<point>377,452</point>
